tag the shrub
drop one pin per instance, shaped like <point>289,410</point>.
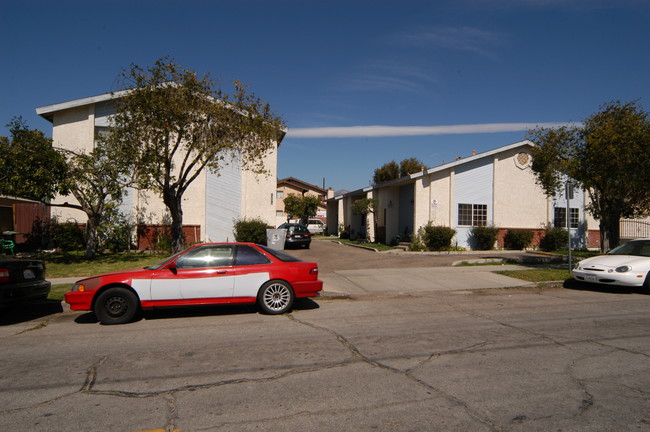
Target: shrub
<point>484,237</point>
<point>40,238</point>
<point>518,239</point>
<point>67,236</point>
<point>554,239</point>
<point>417,241</point>
<point>250,230</point>
<point>437,237</point>
<point>115,230</point>
<point>163,240</point>
<point>344,233</point>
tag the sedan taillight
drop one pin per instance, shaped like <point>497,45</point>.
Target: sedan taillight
<point>314,271</point>
<point>4,275</point>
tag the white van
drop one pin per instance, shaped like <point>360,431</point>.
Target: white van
<point>315,226</point>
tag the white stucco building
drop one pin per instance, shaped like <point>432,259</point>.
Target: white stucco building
<point>210,204</point>
<point>495,188</point>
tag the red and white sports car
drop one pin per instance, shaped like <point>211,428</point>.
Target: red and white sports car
<point>218,273</point>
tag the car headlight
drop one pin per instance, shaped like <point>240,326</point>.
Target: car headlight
<point>78,287</point>
<point>623,269</point>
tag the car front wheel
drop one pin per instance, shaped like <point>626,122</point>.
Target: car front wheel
<point>116,306</point>
<point>275,297</point>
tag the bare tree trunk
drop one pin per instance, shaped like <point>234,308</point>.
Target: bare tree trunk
<point>609,232</point>
<point>92,243</point>
<point>173,203</point>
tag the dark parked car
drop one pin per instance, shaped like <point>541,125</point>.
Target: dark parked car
<point>22,280</point>
<point>297,235</point>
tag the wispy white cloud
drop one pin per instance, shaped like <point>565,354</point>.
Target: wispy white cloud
<point>389,76</point>
<point>393,131</point>
<point>461,38</point>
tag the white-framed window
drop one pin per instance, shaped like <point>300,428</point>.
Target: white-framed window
<point>559,219</point>
<point>279,194</point>
<point>279,213</point>
<point>472,214</point>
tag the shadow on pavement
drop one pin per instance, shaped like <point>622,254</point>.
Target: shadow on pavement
<point>609,289</point>
<point>29,311</point>
<point>199,311</point>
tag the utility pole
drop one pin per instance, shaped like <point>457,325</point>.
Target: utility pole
<point>569,196</point>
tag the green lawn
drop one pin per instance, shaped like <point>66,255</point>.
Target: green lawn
<point>538,275</point>
<point>74,264</point>
<point>57,291</point>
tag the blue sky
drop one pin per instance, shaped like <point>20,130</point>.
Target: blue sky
<point>411,68</point>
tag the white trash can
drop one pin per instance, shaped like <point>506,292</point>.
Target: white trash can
<point>275,238</point>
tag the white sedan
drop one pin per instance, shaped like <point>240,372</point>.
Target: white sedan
<point>625,265</point>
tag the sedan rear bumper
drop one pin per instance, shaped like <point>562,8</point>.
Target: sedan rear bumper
<point>308,288</point>
<point>24,292</point>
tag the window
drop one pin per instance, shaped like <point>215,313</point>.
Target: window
<point>279,213</point>
<point>559,220</point>
<point>208,256</point>
<point>279,194</point>
<point>247,255</point>
<point>472,214</point>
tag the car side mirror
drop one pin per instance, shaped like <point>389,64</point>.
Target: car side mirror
<point>172,267</point>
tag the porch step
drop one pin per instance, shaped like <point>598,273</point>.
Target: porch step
<point>405,246</point>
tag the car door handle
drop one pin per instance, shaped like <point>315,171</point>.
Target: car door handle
<point>222,271</point>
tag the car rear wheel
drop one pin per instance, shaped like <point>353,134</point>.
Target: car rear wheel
<point>275,297</point>
<point>116,306</point>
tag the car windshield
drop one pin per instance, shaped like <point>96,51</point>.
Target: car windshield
<point>639,248</point>
<point>282,256</point>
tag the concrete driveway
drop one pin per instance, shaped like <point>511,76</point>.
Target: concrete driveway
<point>351,271</point>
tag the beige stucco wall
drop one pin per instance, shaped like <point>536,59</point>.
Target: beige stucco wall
<point>518,201</point>
<point>73,129</point>
<point>258,190</point>
<point>592,223</point>
<point>432,199</point>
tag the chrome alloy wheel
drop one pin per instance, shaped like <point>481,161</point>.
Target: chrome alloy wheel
<point>277,297</point>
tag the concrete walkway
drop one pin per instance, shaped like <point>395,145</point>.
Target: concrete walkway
<point>354,283</point>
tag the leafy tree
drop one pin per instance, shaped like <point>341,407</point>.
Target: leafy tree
<point>609,158</point>
<point>35,170</point>
<point>367,206</point>
<point>173,125</point>
<point>30,167</point>
<point>97,181</point>
<point>387,172</point>
<point>410,166</point>
<point>303,207</point>
<point>392,170</point>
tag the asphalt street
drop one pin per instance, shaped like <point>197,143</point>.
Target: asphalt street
<point>394,359</point>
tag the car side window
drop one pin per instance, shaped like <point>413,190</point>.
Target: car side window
<point>247,255</point>
<point>206,257</point>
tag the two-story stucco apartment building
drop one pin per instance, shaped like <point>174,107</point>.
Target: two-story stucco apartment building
<point>495,188</point>
<point>291,185</point>
<point>211,203</point>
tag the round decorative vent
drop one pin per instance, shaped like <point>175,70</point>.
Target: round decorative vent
<point>522,160</point>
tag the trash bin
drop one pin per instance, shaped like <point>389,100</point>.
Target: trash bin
<point>275,238</point>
